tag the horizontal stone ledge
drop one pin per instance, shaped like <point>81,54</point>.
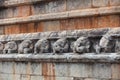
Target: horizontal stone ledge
<point>56,35</point>
<point>67,57</point>
<point>63,15</point>
<point>10,3</point>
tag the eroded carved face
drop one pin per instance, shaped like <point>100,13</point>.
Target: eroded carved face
<point>25,47</point>
<point>60,46</point>
<point>11,45</point>
<point>26,43</point>
<point>42,46</point>
<point>82,45</point>
<point>44,43</point>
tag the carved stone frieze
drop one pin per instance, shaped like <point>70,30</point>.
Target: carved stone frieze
<point>73,41</point>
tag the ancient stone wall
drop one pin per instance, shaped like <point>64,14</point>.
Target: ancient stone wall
<point>65,55</point>
<point>58,40</point>
<point>27,16</point>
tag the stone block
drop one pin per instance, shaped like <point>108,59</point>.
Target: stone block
<point>91,79</point>
<point>56,6</point>
<point>3,13</point>
<point>80,70</point>
<point>78,4</point>
<point>100,3</point>
<point>63,78</point>
<point>15,11</point>
<point>114,21</point>
<point>25,77</point>
<point>78,78</point>
<point>6,67</point>
<point>62,69</point>
<point>51,26</point>
<point>36,69</point>
<point>115,71</point>
<point>37,78</point>
<point>49,7</point>
<point>9,13</point>
<point>103,21</point>
<point>24,11</point>
<point>38,8</point>
<point>9,77</point>
<point>16,77</point>
<point>1,30</point>
<point>21,68</point>
<point>50,78</point>
<point>102,70</point>
<point>48,69</point>
<point>115,2</point>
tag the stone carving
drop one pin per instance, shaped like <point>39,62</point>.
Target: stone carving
<point>82,45</point>
<point>97,48</point>
<point>10,47</point>
<point>42,46</point>
<point>105,41</point>
<point>117,47</point>
<point>60,46</point>
<point>25,47</point>
<point>107,44</point>
<point>1,47</point>
<point>72,45</point>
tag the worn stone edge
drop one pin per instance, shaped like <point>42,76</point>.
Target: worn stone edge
<point>67,57</point>
<point>63,15</point>
<point>56,35</point>
<point>10,3</point>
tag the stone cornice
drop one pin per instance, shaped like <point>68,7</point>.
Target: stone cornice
<point>90,45</point>
<point>67,57</point>
<point>63,15</point>
<point>56,35</point>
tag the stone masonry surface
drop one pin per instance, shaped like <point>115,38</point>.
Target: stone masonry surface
<point>91,54</point>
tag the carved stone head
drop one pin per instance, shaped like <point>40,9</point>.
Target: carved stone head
<point>10,47</point>
<point>106,44</point>
<point>26,46</point>
<point>42,46</point>
<point>82,45</point>
<point>60,46</point>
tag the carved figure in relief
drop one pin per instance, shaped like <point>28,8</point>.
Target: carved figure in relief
<point>82,45</point>
<point>25,47</point>
<point>117,47</point>
<point>61,46</point>
<point>96,47</point>
<point>107,44</point>
<point>1,47</point>
<point>42,46</point>
<point>10,47</point>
